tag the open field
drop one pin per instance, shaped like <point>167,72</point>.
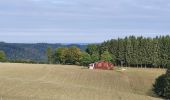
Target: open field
<point>62,82</point>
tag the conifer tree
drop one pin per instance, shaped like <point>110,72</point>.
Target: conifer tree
<point>128,51</point>
<point>155,53</point>
<point>120,53</point>
<point>140,51</point>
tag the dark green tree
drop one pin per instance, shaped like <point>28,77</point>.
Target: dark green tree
<point>148,52</point>
<point>140,51</point>
<point>162,84</point>
<point>164,50</point>
<point>92,49</point>
<point>162,87</point>
<point>144,52</point>
<point>155,53</point>
<point>128,52</point>
<point>120,52</point>
<point>135,49</point>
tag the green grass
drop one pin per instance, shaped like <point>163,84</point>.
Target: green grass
<point>65,82</point>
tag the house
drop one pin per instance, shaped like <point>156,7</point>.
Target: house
<point>105,65</point>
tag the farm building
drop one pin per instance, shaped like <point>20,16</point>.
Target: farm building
<point>101,65</point>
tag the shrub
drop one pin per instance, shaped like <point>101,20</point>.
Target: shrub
<point>85,59</point>
<point>162,84</point>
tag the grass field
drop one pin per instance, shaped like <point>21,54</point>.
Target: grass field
<point>62,82</point>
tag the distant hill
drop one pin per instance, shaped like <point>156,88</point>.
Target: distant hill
<point>36,52</point>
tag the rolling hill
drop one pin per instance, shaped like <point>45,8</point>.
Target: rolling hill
<point>36,52</point>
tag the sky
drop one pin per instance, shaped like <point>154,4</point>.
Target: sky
<point>81,21</point>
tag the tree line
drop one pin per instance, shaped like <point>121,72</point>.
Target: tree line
<point>129,51</point>
<point>139,51</point>
<point>74,56</point>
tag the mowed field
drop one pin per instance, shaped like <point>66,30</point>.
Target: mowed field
<point>64,82</point>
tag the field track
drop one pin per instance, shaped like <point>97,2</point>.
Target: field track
<point>64,82</point>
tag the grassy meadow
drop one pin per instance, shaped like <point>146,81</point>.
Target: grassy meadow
<point>69,82</point>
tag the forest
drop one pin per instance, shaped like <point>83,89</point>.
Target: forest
<point>139,51</point>
<point>129,51</point>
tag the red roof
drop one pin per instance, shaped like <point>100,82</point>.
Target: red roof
<point>103,65</point>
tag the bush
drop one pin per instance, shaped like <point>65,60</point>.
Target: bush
<point>85,59</point>
<point>162,84</point>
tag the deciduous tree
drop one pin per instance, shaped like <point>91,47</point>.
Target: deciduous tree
<point>85,59</point>
<point>2,56</point>
<point>106,56</point>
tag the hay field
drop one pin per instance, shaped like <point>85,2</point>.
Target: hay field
<point>64,82</point>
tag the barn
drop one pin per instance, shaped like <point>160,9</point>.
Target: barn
<point>105,65</point>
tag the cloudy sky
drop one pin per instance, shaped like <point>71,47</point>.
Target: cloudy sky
<point>81,21</point>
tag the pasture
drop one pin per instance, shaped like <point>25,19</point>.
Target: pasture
<point>69,82</point>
